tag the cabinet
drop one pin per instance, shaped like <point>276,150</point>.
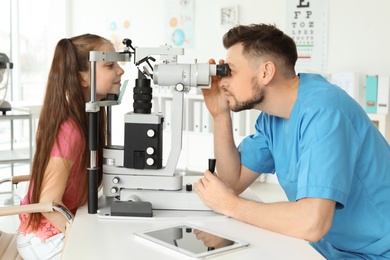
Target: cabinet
<point>16,152</point>
<point>198,144</point>
<point>382,121</point>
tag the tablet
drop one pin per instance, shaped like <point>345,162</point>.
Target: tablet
<point>191,241</point>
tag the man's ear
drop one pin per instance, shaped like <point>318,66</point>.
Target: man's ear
<point>268,72</point>
<point>84,79</point>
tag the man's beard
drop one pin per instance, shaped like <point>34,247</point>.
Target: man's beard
<point>256,99</point>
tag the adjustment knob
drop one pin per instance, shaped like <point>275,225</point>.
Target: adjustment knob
<point>150,150</point>
<point>179,87</point>
<point>115,180</point>
<point>150,133</point>
<point>114,190</point>
<point>149,161</point>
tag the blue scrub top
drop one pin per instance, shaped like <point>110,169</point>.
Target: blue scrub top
<point>329,149</point>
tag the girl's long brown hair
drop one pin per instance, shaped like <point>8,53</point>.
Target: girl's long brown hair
<point>64,100</point>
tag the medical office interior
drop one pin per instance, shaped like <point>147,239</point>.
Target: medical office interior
<point>351,49</point>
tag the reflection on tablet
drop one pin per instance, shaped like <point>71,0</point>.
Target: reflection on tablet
<point>192,241</point>
<point>211,241</point>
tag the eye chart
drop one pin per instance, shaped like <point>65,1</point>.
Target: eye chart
<point>307,24</point>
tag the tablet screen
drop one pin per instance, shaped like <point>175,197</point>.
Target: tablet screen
<point>192,241</point>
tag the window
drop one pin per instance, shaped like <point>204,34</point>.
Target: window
<point>29,41</point>
<point>5,35</point>
<point>28,37</point>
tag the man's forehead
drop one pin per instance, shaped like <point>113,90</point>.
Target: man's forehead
<point>234,54</point>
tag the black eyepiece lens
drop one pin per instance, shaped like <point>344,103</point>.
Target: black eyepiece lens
<point>223,70</point>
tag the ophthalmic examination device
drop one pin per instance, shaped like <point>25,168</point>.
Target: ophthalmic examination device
<point>135,181</point>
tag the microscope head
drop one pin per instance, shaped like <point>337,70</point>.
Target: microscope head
<point>4,60</point>
<point>5,66</point>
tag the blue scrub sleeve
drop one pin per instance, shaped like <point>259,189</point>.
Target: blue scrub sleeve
<point>254,152</point>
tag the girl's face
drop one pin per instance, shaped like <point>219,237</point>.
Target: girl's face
<point>108,75</point>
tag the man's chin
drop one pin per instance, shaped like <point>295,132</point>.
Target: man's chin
<point>235,109</point>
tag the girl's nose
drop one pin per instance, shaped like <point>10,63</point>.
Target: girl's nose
<point>121,71</point>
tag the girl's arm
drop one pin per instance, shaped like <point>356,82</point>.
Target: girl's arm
<point>53,188</point>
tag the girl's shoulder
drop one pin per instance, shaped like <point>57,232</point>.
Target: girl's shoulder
<point>69,130</point>
<point>69,126</point>
<point>70,141</point>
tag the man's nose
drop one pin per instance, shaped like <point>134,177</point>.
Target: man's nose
<point>223,82</point>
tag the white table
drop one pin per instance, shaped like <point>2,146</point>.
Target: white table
<point>94,237</point>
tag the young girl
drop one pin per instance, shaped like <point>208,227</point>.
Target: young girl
<point>59,171</point>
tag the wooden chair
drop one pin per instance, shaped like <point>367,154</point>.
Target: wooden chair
<point>8,241</point>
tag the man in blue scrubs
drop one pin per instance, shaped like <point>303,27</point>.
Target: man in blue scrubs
<point>331,161</point>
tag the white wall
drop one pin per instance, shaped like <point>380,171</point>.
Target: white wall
<point>147,18</point>
<point>358,30</point>
<point>359,36</point>
<point>358,39</point>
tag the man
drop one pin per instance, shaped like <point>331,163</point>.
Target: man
<point>331,161</point>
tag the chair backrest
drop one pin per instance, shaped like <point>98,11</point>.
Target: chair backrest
<point>8,246</point>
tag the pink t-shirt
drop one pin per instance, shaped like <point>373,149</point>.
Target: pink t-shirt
<point>70,144</point>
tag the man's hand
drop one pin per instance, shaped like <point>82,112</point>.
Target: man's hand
<point>215,100</point>
<point>212,241</point>
<point>215,194</point>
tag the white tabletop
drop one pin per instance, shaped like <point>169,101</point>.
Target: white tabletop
<point>95,237</point>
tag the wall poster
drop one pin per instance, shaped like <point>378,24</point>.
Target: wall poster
<point>307,24</point>
<point>179,23</point>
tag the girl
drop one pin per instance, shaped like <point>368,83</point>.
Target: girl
<point>61,158</point>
